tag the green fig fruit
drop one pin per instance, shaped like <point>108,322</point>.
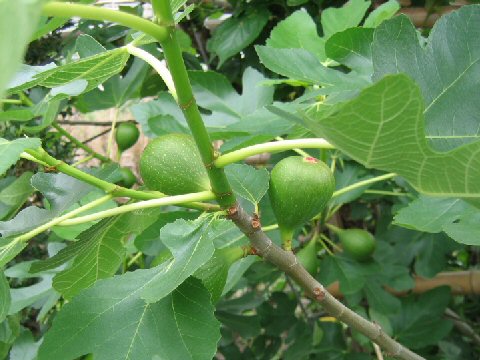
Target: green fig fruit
<point>126,135</point>
<point>300,188</point>
<point>358,243</point>
<point>307,256</point>
<point>172,164</point>
<point>128,178</point>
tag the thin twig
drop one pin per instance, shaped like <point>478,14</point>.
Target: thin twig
<point>89,123</point>
<point>378,351</point>
<point>462,326</point>
<point>97,136</point>
<point>77,142</point>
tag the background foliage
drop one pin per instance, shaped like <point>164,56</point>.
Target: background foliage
<point>174,283</point>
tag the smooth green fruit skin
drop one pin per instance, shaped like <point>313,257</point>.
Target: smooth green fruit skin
<point>172,164</point>
<point>126,135</point>
<point>300,188</point>
<point>128,179</point>
<point>358,243</point>
<point>307,256</point>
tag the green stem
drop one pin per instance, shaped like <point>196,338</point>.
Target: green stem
<point>58,220</point>
<point>134,259</point>
<point>11,101</point>
<point>298,151</point>
<point>81,145</point>
<point>187,103</point>
<point>42,157</point>
<point>68,10</point>
<point>269,227</point>
<point>273,146</point>
<point>84,160</point>
<point>387,193</point>
<point>157,65</point>
<point>327,239</point>
<point>8,251</point>
<point>112,133</point>
<point>286,236</point>
<point>168,200</point>
<point>320,239</point>
<point>363,183</point>
<point>26,100</point>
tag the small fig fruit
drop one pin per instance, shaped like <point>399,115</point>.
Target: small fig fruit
<point>128,178</point>
<point>126,135</point>
<point>358,243</point>
<point>300,188</point>
<point>172,164</point>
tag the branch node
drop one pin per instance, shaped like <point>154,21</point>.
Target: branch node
<point>210,165</point>
<point>50,169</point>
<point>222,195</point>
<point>319,293</point>
<point>187,104</point>
<point>256,222</point>
<point>232,211</point>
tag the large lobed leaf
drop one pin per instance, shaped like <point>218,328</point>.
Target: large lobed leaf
<point>236,33</point>
<point>112,320</point>
<point>455,217</point>
<point>383,128</point>
<point>446,66</point>
<point>98,252</point>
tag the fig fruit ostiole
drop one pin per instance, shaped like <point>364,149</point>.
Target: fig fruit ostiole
<point>300,188</point>
<point>358,243</point>
<point>172,164</point>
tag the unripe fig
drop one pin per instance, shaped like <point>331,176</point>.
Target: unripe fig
<point>358,243</point>
<point>300,188</point>
<point>172,164</point>
<point>126,135</point>
<point>307,256</point>
<point>128,179</point>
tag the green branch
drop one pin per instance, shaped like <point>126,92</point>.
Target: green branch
<point>363,183</point>
<point>81,145</point>
<point>168,200</point>
<point>58,220</point>
<point>158,65</point>
<point>187,103</point>
<point>273,146</point>
<point>7,252</point>
<point>68,10</point>
<point>43,158</point>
